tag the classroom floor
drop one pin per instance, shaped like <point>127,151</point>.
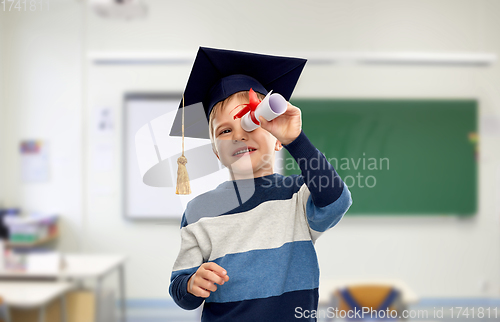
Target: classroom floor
<point>153,311</point>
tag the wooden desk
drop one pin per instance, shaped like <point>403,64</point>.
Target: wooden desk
<point>35,294</point>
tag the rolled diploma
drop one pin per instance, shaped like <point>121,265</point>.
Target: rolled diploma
<point>272,106</point>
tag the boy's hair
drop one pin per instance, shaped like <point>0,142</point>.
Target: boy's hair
<point>220,106</point>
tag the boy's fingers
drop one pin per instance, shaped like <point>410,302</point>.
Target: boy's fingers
<point>208,285</point>
<point>201,282</point>
<point>191,282</point>
<point>198,291</point>
<point>263,122</point>
<point>212,277</point>
<point>216,269</point>
<point>292,107</point>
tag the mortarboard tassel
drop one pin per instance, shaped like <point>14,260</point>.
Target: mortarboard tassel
<point>183,187</point>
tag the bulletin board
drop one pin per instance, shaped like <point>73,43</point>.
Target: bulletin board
<point>398,157</point>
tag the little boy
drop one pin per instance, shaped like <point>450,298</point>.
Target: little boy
<point>254,234</point>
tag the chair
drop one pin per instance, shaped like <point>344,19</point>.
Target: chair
<point>368,297</point>
<point>4,311</point>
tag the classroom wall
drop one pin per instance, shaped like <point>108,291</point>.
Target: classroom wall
<point>435,256</point>
<point>43,100</point>
<point>2,118</point>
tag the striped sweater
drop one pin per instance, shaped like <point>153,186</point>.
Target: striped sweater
<point>262,231</point>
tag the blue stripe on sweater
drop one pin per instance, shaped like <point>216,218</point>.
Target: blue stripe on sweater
<point>270,273</point>
<point>324,218</point>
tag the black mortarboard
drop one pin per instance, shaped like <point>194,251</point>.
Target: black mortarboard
<point>218,73</point>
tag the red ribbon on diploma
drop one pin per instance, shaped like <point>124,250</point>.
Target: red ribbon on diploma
<point>250,107</point>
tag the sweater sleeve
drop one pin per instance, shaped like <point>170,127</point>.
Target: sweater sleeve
<point>187,263</point>
<point>325,197</point>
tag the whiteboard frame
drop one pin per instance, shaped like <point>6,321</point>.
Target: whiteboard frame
<point>126,140</point>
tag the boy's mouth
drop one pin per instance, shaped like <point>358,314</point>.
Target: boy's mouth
<point>243,151</point>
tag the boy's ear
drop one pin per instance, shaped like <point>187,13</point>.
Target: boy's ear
<point>278,145</point>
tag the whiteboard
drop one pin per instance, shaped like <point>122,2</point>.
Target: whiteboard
<point>150,159</point>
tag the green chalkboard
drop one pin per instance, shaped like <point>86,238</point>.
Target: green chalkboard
<point>398,157</point>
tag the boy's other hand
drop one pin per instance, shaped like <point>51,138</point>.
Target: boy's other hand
<point>202,282</point>
<point>285,127</point>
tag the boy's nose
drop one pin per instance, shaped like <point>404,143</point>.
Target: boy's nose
<point>239,134</point>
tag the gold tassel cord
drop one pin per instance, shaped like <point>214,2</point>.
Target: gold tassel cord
<point>183,186</point>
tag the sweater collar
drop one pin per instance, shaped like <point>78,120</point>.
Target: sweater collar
<point>252,182</point>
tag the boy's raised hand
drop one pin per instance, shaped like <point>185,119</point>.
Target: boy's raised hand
<point>285,127</point>
<point>202,282</point>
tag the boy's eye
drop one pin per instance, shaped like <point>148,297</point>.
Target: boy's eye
<point>224,131</point>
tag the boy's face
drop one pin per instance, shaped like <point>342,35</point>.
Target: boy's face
<point>230,138</point>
